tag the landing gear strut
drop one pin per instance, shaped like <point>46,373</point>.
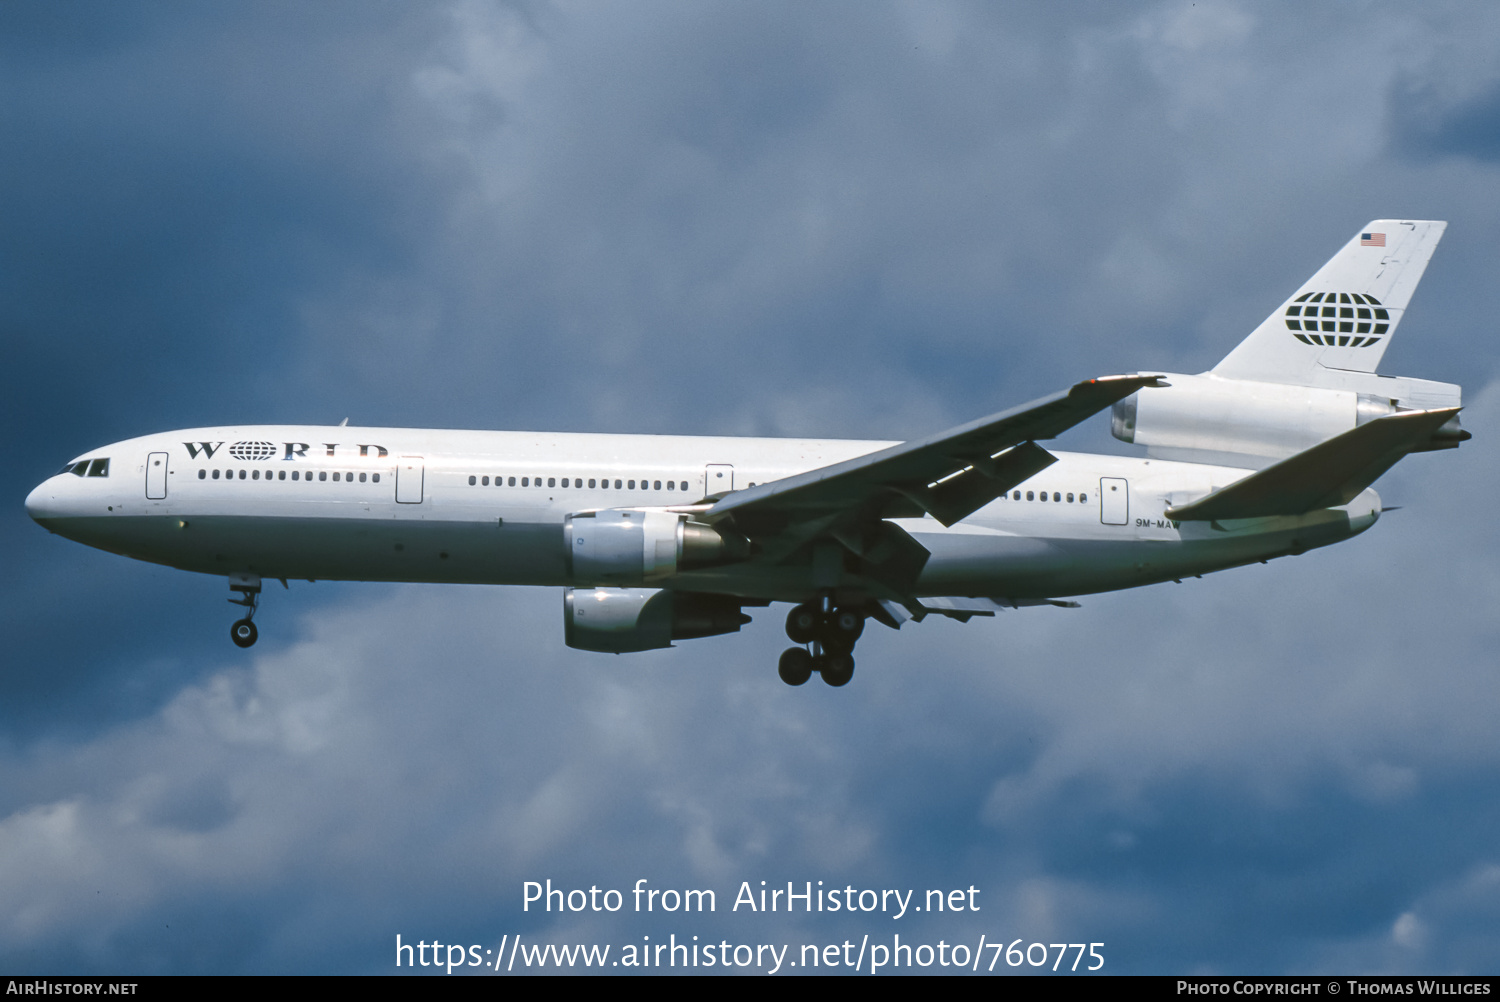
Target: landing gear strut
<point>831,633</point>
<point>243,632</point>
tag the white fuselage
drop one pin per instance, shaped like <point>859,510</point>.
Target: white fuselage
<point>390,504</point>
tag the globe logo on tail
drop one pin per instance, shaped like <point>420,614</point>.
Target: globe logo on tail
<point>1337,319</point>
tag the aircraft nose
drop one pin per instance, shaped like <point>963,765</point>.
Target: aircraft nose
<point>41,504</point>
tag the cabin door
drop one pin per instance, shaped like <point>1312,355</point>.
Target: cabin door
<point>1114,501</point>
<point>409,473</point>
<point>156,476</point>
<point>718,480</point>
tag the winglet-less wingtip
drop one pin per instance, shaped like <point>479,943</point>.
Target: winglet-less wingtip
<point>1136,380</point>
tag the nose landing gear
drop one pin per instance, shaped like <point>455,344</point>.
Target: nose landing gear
<point>831,634</point>
<point>243,632</point>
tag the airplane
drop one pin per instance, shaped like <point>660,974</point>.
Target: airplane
<point>655,539</point>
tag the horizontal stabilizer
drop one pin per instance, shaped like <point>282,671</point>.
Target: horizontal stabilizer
<point>1329,474</point>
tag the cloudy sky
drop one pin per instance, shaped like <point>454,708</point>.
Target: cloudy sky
<point>824,219</point>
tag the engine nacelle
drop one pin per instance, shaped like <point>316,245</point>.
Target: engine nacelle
<point>629,547</point>
<point>1241,422</point>
<point>624,620</point>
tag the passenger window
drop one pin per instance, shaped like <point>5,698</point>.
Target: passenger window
<point>242,474</point>
<point>473,481</point>
<point>1017,495</point>
<point>322,474</point>
<point>216,474</point>
<point>672,485</point>
<point>202,474</point>
<point>684,485</point>
<point>525,481</point>
<point>512,481</point>
<point>361,478</point>
<point>1083,499</point>
<point>1030,496</point>
<point>657,486</point>
<point>1056,496</point>
<point>255,475</point>
<point>591,483</point>
<point>565,481</point>
<point>335,478</point>
<point>484,480</point>
<point>551,481</point>
<point>617,485</point>
<point>375,477</point>
<point>1070,498</point>
<point>281,475</point>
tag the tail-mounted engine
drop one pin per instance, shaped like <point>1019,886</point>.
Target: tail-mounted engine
<point>629,547</point>
<point>623,620</point>
<point>1240,422</point>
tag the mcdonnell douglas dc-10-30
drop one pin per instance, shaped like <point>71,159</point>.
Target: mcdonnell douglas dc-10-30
<point>661,538</point>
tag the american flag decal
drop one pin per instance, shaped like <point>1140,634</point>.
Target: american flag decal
<point>1372,239</point>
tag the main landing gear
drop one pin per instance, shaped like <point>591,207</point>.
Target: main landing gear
<point>243,632</point>
<point>831,633</point>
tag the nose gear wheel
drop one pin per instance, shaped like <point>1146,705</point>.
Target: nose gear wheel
<point>243,631</point>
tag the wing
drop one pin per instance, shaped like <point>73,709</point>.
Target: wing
<point>949,476</point>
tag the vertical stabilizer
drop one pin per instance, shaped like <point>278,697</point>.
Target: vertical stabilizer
<point>1344,316</point>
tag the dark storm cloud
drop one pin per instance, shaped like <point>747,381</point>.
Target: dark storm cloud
<point>806,218</point>
<point>173,181</point>
<point>1425,125</point>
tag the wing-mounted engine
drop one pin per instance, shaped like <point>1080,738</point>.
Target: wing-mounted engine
<point>624,620</point>
<point>632,547</point>
<point>1241,422</point>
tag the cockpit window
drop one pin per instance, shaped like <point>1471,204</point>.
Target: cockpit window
<point>87,468</point>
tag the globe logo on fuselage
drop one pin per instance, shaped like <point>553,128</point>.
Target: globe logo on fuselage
<point>252,450</point>
<point>1337,319</point>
